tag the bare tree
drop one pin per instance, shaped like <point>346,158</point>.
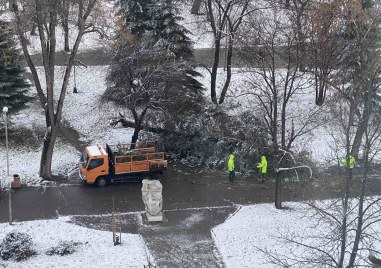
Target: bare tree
<point>326,45</point>
<point>46,15</point>
<point>225,18</point>
<point>347,226</point>
<point>277,81</point>
<point>349,221</point>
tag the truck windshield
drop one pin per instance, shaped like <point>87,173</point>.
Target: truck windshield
<point>84,159</point>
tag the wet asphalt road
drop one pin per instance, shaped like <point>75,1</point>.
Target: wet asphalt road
<point>193,201</point>
<point>181,190</point>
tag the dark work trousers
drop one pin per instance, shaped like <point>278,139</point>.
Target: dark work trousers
<point>262,176</point>
<point>231,176</point>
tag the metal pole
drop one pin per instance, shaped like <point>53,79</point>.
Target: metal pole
<point>6,141</point>
<point>278,191</point>
<point>10,204</point>
<point>7,153</point>
<point>75,81</point>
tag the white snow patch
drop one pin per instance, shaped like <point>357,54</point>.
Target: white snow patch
<point>96,248</point>
<point>261,226</point>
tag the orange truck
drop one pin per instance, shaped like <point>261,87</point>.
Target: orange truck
<point>121,162</point>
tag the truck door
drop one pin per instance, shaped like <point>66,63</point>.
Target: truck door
<point>95,169</point>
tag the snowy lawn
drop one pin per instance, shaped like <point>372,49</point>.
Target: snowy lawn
<point>240,98</point>
<point>96,248</point>
<point>82,111</point>
<point>251,229</point>
<point>26,163</point>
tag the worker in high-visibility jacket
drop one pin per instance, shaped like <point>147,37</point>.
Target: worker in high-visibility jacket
<point>352,161</point>
<point>231,167</point>
<point>262,168</point>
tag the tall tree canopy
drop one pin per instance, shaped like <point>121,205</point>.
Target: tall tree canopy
<point>153,68</point>
<point>13,86</point>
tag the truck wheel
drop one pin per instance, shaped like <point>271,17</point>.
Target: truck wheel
<point>101,182</point>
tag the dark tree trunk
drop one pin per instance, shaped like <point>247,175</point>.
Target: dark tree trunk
<point>34,28</point>
<point>196,7</point>
<point>213,76</point>
<point>360,133</point>
<point>47,153</point>
<point>135,136</point>
<point>47,148</point>
<point>287,4</point>
<point>65,24</point>
<point>228,71</point>
<point>278,191</point>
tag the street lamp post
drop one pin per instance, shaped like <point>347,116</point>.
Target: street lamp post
<point>5,111</point>
<point>75,82</point>
<point>80,63</point>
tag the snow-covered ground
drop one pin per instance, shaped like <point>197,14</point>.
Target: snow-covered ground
<point>96,248</point>
<point>83,111</point>
<point>255,229</point>
<point>241,239</point>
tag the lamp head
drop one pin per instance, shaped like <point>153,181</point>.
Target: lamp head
<point>5,109</point>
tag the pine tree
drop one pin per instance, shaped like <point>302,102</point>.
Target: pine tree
<point>13,87</point>
<point>153,69</point>
<point>157,18</point>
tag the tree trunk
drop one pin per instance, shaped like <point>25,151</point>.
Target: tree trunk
<point>65,24</point>
<point>283,124</point>
<point>195,10</point>
<point>345,200</point>
<point>34,28</point>
<point>287,4</point>
<point>135,136</point>
<point>213,76</point>
<point>217,47</point>
<point>47,153</point>
<point>360,212</point>
<point>275,116</point>
<point>278,191</point>
<point>228,71</point>
<point>360,133</point>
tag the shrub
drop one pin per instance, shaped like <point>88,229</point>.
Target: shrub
<point>17,246</point>
<point>63,248</point>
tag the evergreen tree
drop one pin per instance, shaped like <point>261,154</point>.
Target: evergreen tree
<point>13,87</point>
<point>157,52</point>
<point>157,18</point>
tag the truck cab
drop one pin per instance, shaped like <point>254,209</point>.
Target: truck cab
<point>94,165</point>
